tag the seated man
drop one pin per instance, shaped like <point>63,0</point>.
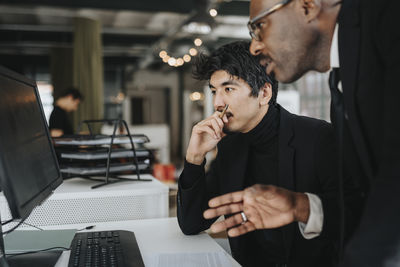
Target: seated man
<point>259,142</point>
<point>68,101</point>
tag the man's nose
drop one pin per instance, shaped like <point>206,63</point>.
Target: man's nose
<point>256,47</point>
<point>219,102</point>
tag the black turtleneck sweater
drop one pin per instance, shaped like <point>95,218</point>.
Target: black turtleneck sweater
<point>262,168</point>
<point>262,165</point>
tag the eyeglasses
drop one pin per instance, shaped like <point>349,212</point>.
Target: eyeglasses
<point>255,28</point>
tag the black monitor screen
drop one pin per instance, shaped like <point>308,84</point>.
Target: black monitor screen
<point>28,166</point>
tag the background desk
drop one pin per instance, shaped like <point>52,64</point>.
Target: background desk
<point>155,236</point>
<point>75,202</point>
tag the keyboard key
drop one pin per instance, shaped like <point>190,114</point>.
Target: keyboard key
<point>105,248</point>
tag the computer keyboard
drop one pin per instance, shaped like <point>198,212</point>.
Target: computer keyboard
<point>105,248</point>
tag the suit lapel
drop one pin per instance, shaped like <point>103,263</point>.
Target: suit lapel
<point>286,167</point>
<point>349,34</point>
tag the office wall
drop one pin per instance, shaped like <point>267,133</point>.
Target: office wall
<point>143,80</point>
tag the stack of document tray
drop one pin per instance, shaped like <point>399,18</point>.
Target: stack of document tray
<point>100,155</point>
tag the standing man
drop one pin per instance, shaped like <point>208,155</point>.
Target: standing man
<point>59,123</point>
<point>268,146</point>
<point>362,40</point>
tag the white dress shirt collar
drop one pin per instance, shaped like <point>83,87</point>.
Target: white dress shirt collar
<point>335,49</point>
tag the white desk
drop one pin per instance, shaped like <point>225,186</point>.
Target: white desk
<point>75,202</point>
<point>155,236</point>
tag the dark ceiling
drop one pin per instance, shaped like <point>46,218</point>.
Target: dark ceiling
<point>133,32</point>
<point>230,7</point>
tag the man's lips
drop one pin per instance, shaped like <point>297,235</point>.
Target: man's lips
<point>269,68</point>
<point>265,60</point>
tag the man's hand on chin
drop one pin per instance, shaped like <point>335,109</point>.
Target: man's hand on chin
<point>264,207</point>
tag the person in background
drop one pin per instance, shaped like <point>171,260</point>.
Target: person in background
<point>259,142</point>
<point>68,101</point>
<point>358,40</point>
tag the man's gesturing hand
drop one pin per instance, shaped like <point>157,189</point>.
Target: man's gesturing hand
<point>205,136</point>
<point>265,207</point>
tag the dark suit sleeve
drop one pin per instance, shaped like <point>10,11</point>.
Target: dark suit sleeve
<point>326,163</point>
<point>377,241</point>
<point>195,189</point>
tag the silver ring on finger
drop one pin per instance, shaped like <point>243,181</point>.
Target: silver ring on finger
<point>244,217</point>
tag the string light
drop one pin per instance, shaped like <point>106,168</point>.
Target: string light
<point>198,42</point>
<point>192,51</point>
<point>163,54</point>
<point>213,12</point>
<point>196,96</point>
<point>171,61</point>
<point>180,61</point>
<point>165,59</point>
<point>177,62</point>
<point>187,58</point>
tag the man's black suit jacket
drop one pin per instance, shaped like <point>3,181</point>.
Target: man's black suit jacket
<point>369,53</point>
<point>307,162</point>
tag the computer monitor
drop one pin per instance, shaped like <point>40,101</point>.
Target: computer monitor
<point>29,171</point>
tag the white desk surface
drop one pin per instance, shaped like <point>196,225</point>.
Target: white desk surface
<point>154,236</point>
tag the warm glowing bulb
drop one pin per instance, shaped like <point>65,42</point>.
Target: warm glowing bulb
<point>187,58</point>
<point>165,59</point>
<point>172,61</point>
<point>120,97</point>
<point>198,42</point>
<point>180,61</point>
<point>213,12</point>
<point>193,51</point>
<point>195,96</point>
<point>163,54</point>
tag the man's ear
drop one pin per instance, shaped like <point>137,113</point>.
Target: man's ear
<point>310,9</point>
<point>265,94</point>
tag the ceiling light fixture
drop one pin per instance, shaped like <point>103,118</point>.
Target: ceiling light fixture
<point>200,23</point>
<point>197,28</point>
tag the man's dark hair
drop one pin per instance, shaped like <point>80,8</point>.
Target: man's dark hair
<point>75,93</point>
<point>235,59</point>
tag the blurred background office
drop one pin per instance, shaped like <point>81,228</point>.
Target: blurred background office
<point>133,61</point>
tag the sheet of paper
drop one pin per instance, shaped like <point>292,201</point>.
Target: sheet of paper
<point>210,259</point>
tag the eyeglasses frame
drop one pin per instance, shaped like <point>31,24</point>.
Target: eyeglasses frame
<point>251,24</point>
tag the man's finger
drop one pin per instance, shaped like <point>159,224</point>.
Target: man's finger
<point>225,118</point>
<point>223,210</point>
<point>216,127</point>
<point>227,223</point>
<point>226,199</point>
<point>241,229</point>
<point>207,129</point>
